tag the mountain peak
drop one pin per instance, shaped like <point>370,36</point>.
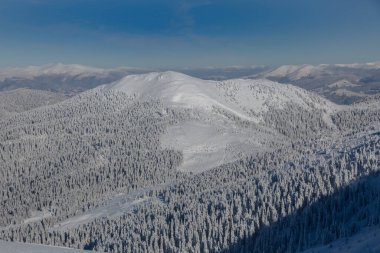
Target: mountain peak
<point>166,76</point>
<point>244,98</point>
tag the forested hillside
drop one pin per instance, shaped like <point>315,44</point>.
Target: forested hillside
<point>282,170</point>
<point>21,100</point>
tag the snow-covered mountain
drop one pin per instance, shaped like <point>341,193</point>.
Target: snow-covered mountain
<point>296,72</point>
<point>211,139</point>
<point>244,98</point>
<point>165,162</point>
<point>63,69</point>
<point>71,78</point>
<point>320,78</point>
<point>51,69</point>
<point>327,79</point>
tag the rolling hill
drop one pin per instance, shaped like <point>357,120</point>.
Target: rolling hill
<point>340,83</point>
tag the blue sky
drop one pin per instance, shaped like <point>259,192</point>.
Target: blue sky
<point>184,33</point>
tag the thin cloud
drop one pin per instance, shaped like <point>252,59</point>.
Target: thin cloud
<point>184,14</point>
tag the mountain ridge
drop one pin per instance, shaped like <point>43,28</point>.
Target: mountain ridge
<point>72,79</point>
<point>155,155</point>
<point>239,96</point>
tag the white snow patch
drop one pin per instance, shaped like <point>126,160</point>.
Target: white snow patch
<point>114,207</point>
<point>16,247</point>
<point>282,71</point>
<point>368,65</point>
<point>37,216</point>
<point>206,145</point>
<point>348,93</point>
<point>342,84</point>
<point>304,71</point>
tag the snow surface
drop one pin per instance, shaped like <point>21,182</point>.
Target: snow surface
<point>371,65</point>
<point>114,207</point>
<point>296,72</point>
<point>304,71</point>
<point>51,69</point>
<point>348,93</point>
<point>342,84</point>
<point>37,216</point>
<point>245,98</point>
<point>366,241</point>
<point>206,145</point>
<point>15,247</point>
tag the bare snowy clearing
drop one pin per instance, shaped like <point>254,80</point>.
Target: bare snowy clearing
<point>15,247</point>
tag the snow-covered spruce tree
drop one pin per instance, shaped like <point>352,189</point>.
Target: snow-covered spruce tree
<point>67,159</point>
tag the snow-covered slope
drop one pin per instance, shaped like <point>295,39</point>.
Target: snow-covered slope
<point>74,78</point>
<point>114,207</point>
<point>15,247</point>
<point>216,137</point>
<point>366,241</point>
<point>246,99</point>
<point>282,71</point>
<point>294,72</point>
<point>51,69</point>
<point>108,171</point>
<point>368,65</point>
<point>342,84</point>
<point>358,79</point>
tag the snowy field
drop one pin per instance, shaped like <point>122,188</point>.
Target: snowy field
<point>14,247</point>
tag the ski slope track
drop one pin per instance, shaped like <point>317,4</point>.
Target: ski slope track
<point>15,247</point>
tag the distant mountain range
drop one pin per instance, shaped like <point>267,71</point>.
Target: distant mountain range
<point>69,79</point>
<point>340,83</point>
